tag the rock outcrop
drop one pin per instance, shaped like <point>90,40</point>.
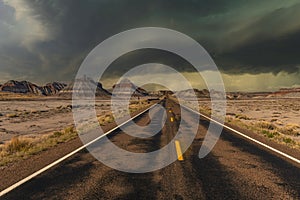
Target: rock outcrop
<point>53,88</point>
<point>27,87</point>
<point>192,92</point>
<point>286,93</point>
<point>125,87</point>
<point>84,87</point>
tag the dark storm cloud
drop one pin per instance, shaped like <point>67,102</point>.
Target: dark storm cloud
<point>243,36</point>
<point>270,55</point>
<point>139,57</point>
<point>275,47</point>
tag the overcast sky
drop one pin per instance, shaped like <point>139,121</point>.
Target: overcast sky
<point>258,41</point>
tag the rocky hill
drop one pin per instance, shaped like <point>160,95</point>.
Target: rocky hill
<point>26,87</point>
<point>286,93</point>
<point>126,87</point>
<point>191,92</point>
<point>84,89</point>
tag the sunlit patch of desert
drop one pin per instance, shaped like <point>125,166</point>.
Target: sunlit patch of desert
<point>275,118</point>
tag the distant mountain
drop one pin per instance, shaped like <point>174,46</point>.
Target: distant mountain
<point>53,88</point>
<point>191,92</point>
<point>27,87</point>
<point>286,93</point>
<point>84,88</point>
<point>126,87</point>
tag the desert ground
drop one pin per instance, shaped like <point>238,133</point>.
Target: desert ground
<point>36,117</point>
<point>33,117</point>
<point>41,123</point>
<point>275,118</point>
<point>44,116</point>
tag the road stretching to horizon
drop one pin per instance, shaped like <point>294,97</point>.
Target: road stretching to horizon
<point>235,169</point>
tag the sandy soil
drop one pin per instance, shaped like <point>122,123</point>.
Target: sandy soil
<point>282,114</point>
<point>42,116</point>
<point>36,116</point>
<point>32,117</point>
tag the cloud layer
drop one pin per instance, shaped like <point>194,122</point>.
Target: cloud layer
<point>45,40</point>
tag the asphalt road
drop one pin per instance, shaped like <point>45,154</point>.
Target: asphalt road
<point>235,169</point>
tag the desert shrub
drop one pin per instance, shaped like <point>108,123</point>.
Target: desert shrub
<point>103,120</point>
<point>294,126</point>
<point>275,116</point>
<point>289,131</point>
<point>269,134</point>
<point>205,110</point>
<point>56,134</point>
<point>134,102</point>
<point>280,123</point>
<point>241,116</point>
<point>266,125</point>
<point>108,119</point>
<point>232,114</point>
<point>288,140</point>
<point>131,110</point>
<point>17,145</point>
<point>69,130</point>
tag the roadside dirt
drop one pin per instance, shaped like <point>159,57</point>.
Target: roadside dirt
<point>13,172</point>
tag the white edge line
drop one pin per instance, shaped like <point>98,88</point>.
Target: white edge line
<point>246,136</point>
<point>14,186</point>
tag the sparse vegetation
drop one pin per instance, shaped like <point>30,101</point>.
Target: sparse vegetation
<point>266,125</point>
<point>241,116</point>
<point>133,107</point>
<point>270,134</point>
<point>268,129</point>
<point>103,120</point>
<point>56,134</point>
<point>24,146</point>
<point>288,140</point>
<point>205,110</point>
<point>289,131</point>
<point>17,145</point>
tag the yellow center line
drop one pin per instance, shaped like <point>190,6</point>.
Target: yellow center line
<point>178,150</point>
<point>172,119</point>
